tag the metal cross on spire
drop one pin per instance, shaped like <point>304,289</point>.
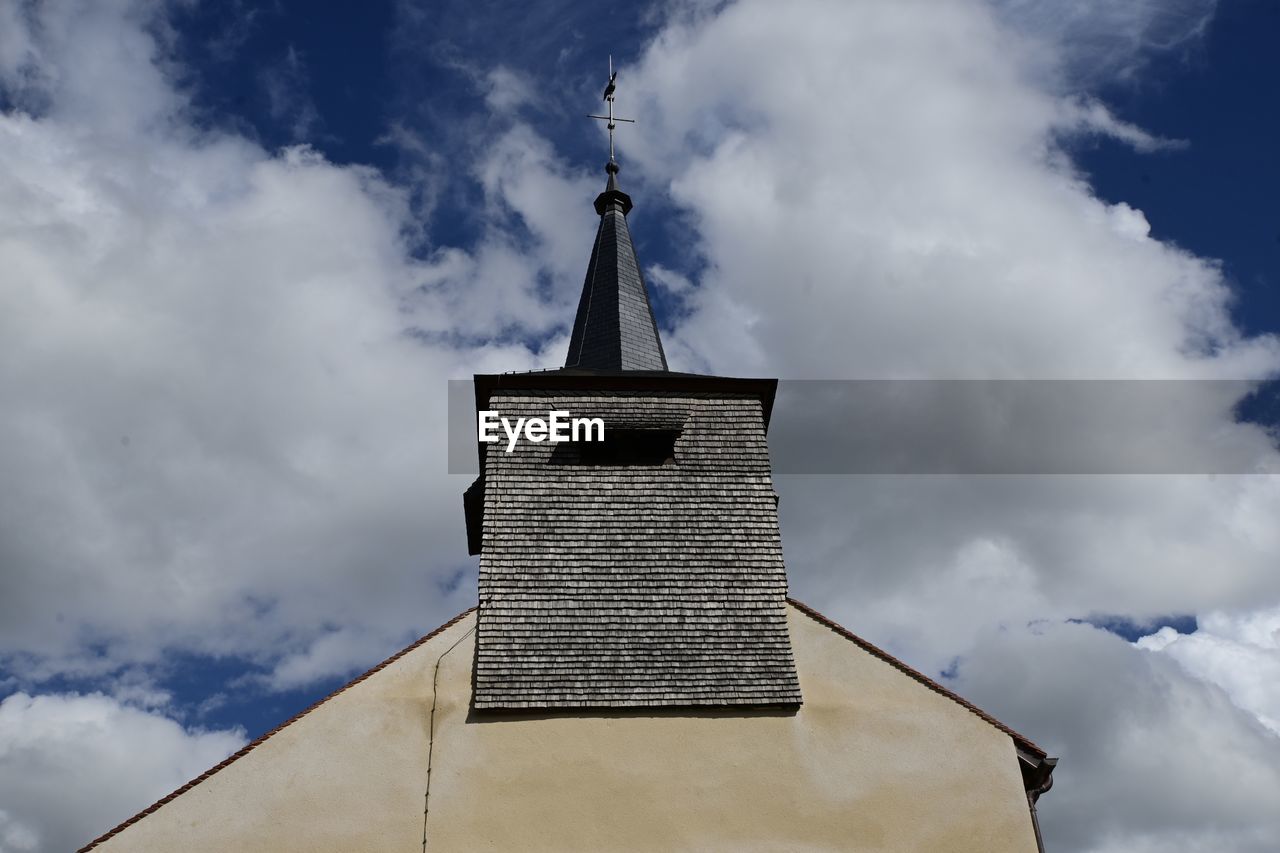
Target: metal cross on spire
<point>611,118</point>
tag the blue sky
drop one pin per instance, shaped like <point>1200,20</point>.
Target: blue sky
<point>295,72</point>
<point>1215,196</point>
<point>245,246</point>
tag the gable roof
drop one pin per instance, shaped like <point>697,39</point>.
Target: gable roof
<point>1023,743</point>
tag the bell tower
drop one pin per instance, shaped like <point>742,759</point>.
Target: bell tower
<point>644,570</point>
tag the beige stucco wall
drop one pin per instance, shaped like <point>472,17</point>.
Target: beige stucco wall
<point>872,761</point>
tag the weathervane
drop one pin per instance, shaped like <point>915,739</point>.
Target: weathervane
<point>611,118</point>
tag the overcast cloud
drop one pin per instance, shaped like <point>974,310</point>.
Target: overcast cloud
<point>224,371</point>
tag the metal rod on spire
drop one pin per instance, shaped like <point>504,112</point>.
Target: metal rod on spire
<point>611,119</point>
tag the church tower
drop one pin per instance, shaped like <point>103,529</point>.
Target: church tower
<point>645,569</point>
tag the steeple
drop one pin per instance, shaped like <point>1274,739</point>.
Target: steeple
<point>614,328</point>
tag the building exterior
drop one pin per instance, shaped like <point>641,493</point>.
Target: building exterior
<point>634,676</point>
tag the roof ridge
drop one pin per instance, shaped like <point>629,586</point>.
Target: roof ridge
<point>1021,740</point>
<point>249,747</point>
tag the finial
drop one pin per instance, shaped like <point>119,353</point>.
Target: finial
<point>612,166</point>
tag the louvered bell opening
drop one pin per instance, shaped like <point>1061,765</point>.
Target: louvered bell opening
<point>620,447</point>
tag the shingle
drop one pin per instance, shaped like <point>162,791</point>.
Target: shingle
<point>655,585</point>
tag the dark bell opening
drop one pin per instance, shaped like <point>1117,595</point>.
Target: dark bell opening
<point>621,447</point>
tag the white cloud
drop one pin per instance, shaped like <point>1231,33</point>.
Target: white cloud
<point>1095,41</point>
<point>227,442</point>
<point>223,434</point>
<point>508,90</point>
<point>1128,221</point>
<point>928,226</point>
<point>112,83</point>
<point>73,766</point>
<point>1239,652</point>
<point>1151,759</point>
<point>209,351</point>
<point>1086,115</point>
<point>342,650</point>
<point>669,280</point>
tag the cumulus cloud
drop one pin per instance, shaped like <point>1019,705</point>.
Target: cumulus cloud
<point>220,361</point>
<point>1239,652</point>
<point>206,341</point>
<point>73,766</point>
<point>227,442</point>
<point>1152,759</point>
<point>929,226</point>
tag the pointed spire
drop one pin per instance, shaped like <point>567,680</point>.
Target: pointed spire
<point>614,328</point>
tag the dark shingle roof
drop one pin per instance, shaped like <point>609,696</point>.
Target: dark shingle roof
<point>614,328</point>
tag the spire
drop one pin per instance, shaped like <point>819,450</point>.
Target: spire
<point>614,328</point>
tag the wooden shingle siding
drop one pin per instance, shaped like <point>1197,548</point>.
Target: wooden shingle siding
<point>646,585</point>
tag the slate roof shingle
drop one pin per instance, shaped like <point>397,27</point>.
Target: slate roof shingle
<point>614,328</point>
